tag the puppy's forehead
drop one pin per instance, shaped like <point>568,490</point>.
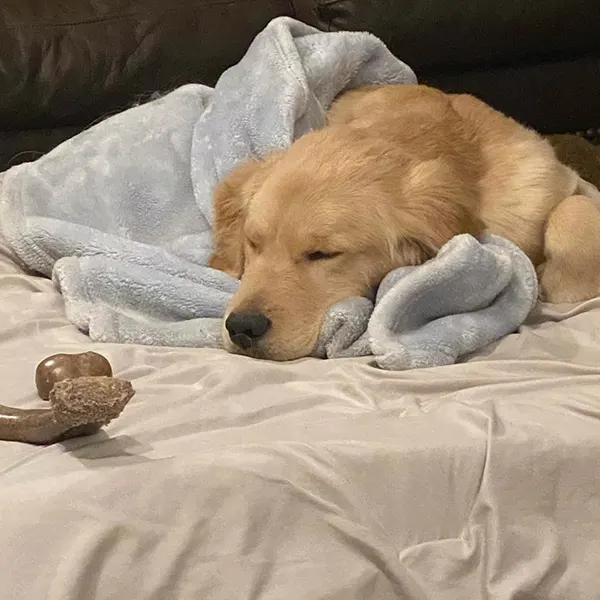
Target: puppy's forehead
<point>277,201</point>
<point>312,230</point>
<point>309,204</point>
<point>302,203</point>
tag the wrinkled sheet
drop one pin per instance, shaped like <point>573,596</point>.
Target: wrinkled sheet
<point>229,478</point>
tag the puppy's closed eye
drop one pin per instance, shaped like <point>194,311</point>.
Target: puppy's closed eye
<point>320,255</point>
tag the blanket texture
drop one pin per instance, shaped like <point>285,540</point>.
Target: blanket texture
<point>120,216</point>
<point>471,294</point>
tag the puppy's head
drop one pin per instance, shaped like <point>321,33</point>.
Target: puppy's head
<point>323,221</point>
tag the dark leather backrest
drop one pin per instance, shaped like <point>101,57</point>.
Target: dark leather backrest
<point>438,35</point>
<point>65,64</point>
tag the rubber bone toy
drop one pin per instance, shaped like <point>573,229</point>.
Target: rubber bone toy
<point>83,395</point>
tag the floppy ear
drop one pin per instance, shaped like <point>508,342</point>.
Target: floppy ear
<point>422,236</point>
<point>438,207</point>
<point>230,204</point>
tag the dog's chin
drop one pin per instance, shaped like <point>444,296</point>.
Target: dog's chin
<point>266,351</point>
<point>253,351</point>
<point>260,353</point>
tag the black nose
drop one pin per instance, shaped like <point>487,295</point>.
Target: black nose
<point>245,328</point>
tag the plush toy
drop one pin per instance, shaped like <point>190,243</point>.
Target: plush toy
<point>83,395</point>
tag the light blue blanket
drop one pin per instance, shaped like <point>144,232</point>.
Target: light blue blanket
<point>120,216</point>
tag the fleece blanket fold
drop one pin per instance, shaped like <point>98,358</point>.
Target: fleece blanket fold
<point>120,216</point>
<point>471,294</point>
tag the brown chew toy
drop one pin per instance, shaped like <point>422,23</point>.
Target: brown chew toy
<point>69,366</point>
<point>82,400</point>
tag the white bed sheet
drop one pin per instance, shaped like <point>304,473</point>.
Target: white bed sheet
<point>228,478</point>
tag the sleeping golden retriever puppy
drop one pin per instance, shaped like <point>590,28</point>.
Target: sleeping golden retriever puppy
<point>396,173</point>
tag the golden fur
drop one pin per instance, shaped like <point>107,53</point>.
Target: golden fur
<point>396,173</point>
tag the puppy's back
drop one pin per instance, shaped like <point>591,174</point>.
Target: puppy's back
<point>522,179</point>
<point>419,119</point>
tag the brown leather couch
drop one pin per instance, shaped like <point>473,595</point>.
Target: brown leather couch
<point>65,65</point>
